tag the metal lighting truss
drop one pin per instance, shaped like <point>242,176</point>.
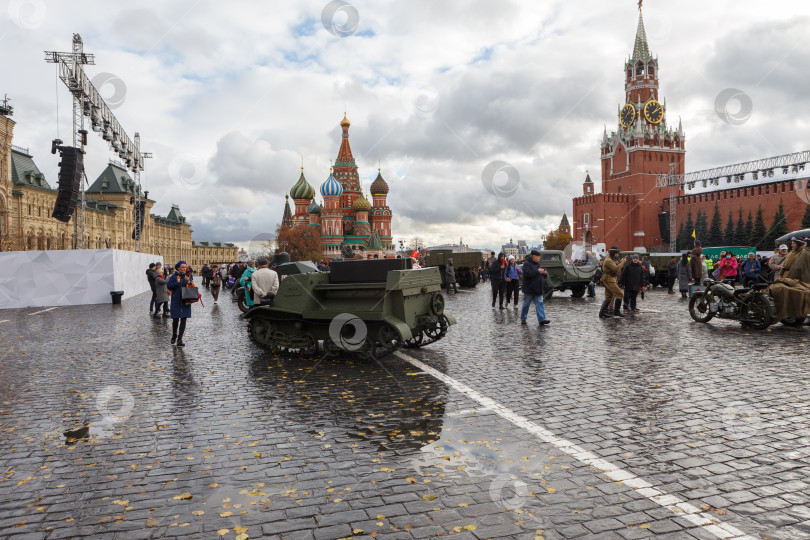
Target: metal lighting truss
<point>88,102</point>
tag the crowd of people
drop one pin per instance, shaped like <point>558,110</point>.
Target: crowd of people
<point>625,281</point>
<point>260,283</point>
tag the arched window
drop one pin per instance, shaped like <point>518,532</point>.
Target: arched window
<point>640,69</point>
<point>651,69</point>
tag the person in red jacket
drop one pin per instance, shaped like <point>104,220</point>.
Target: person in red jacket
<point>728,266</point>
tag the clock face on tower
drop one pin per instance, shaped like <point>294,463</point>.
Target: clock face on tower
<point>628,115</point>
<point>653,112</point>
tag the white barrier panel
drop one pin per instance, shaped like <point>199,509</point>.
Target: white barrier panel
<point>71,277</point>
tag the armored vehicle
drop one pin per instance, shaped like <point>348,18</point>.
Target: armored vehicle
<point>563,275</point>
<point>466,263</point>
<point>368,308</point>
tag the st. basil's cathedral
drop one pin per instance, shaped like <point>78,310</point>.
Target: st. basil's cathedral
<point>350,224</point>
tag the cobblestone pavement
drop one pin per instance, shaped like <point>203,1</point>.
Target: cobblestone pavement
<point>651,426</point>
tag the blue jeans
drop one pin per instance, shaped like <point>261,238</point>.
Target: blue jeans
<point>591,289</point>
<point>538,304</point>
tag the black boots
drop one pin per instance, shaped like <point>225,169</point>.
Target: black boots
<point>617,308</point>
<point>604,311</point>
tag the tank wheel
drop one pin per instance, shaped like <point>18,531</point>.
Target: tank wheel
<point>261,330</point>
<point>415,341</point>
<point>437,303</point>
<point>578,291</point>
<point>388,342</point>
<point>330,348</point>
<point>311,349</point>
<point>548,293</point>
<point>437,332</point>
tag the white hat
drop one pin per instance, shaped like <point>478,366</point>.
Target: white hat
<point>511,257</point>
<point>783,246</point>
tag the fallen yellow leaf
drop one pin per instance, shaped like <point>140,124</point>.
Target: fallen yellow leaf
<point>223,532</point>
<point>182,497</point>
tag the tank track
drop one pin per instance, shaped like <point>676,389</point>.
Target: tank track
<point>263,331</point>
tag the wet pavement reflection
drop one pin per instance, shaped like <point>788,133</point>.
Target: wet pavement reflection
<point>111,432</point>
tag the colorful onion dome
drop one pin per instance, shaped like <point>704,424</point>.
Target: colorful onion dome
<point>331,188</point>
<point>379,186</point>
<point>314,208</point>
<point>302,189</point>
<point>361,204</point>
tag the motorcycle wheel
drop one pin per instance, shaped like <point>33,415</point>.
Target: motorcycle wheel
<point>792,321</point>
<point>699,309</point>
<point>241,302</point>
<point>760,309</point>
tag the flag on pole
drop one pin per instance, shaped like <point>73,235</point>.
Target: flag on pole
<point>693,233</point>
<point>415,254</point>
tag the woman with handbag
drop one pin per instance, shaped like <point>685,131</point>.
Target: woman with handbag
<point>182,290</point>
<point>216,282</point>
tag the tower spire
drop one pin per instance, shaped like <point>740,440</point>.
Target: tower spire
<point>641,50</point>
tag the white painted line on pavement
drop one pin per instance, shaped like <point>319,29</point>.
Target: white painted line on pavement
<point>42,311</point>
<point>707,522</point>
<point>5,320</point>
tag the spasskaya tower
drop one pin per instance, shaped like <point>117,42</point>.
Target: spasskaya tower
<point>626,213</point>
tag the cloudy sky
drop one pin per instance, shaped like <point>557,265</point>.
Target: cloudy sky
<point>230,97</point>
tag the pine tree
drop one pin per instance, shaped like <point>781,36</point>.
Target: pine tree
<point>679,240</point>
<point>739,231</point>
<point>778,228</point>
<point>685,236</point>
<point>749,228</point>
<point>728,237</point>
<point>758,232</point>
<point>701,227</point>
<point>806,218</point>
<point>715,237</point>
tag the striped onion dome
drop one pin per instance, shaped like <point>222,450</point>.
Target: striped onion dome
<point>331,188</point>
<point>302,189</point>
<point>314,208</point>
<point>379,186</point>
<point>361,204</point>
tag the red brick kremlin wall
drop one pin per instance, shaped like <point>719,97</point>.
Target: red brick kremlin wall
<point>792,193</point>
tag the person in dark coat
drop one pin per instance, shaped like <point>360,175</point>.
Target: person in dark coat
<point>161,293</point>
<point>633,280</point>
<point>150,277</point>
<point>672,273</point>
<point>450,276</point>
<point>684,274</point>
<point>206,274</point>
<point>496,280</point>
<point>180,310</point>
<point>534,283</point>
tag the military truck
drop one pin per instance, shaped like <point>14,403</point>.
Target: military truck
<point>466,263</point>
<point>367,308</point>
<point>563,275</point>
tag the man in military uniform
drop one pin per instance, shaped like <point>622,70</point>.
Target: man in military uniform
<point>796,248</point>
<point>610,273</point>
